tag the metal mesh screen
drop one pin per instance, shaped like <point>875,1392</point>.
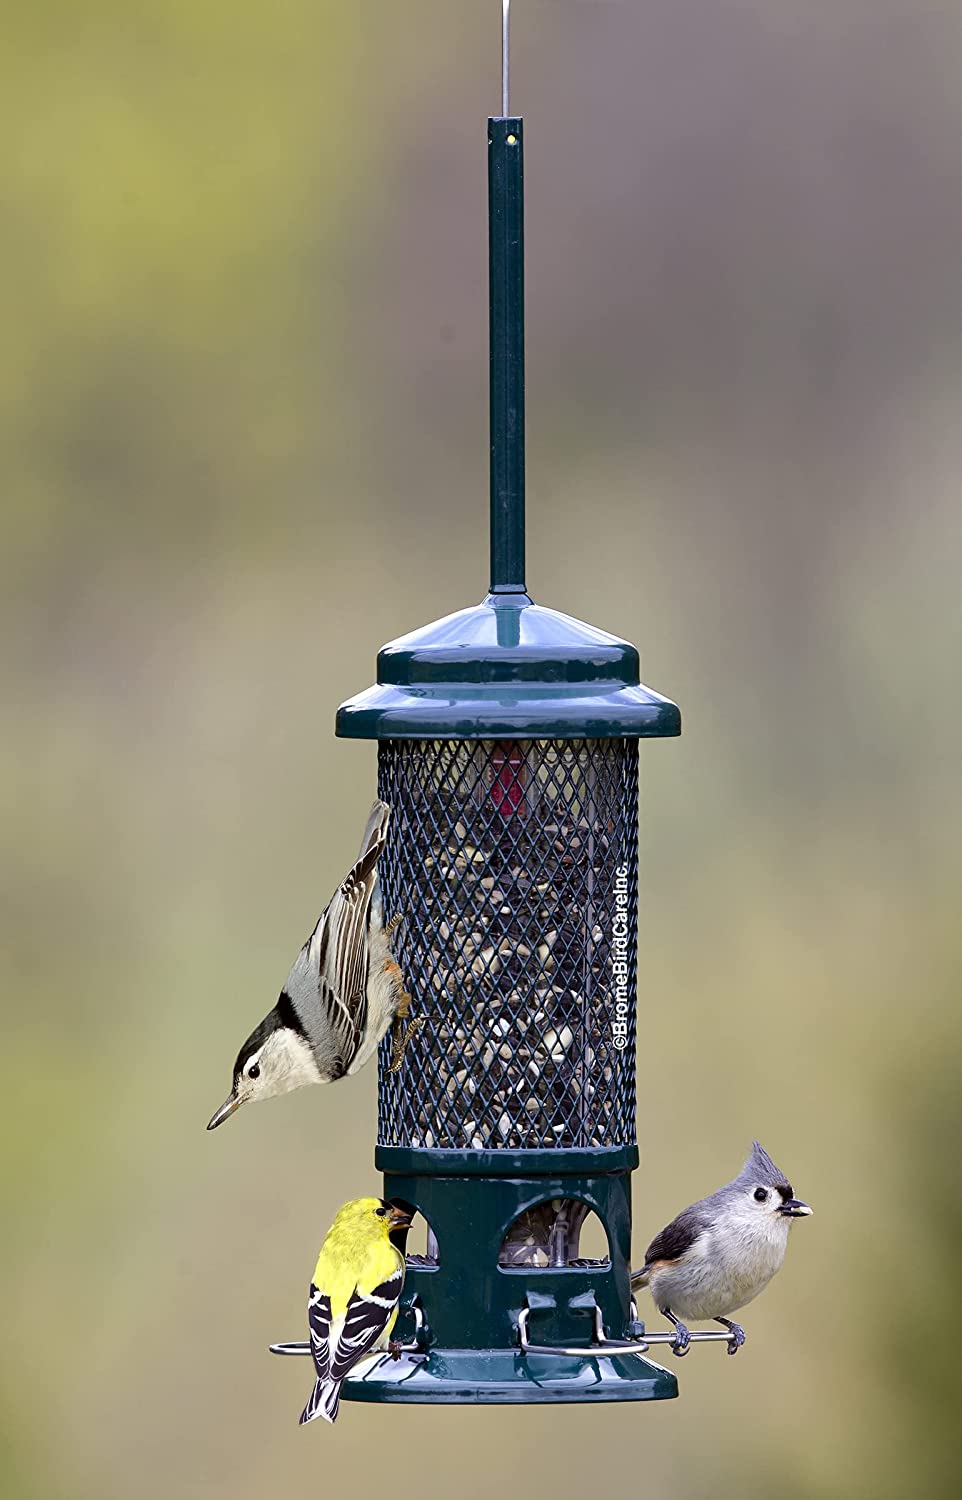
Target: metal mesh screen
<point>514,864</point>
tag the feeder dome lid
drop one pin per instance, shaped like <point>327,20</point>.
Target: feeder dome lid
<point>508,668</point>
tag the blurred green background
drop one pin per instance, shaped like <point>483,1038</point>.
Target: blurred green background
<point>243,424</point>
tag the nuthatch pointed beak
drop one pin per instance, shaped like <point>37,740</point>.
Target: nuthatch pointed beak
<point>400,1218</point>
<point>794,1208</point>
<point>231,1103</point>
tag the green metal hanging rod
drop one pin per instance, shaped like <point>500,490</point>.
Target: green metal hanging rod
<point>506,315</point>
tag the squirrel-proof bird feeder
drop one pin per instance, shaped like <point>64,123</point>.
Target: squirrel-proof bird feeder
<point>508,752</point>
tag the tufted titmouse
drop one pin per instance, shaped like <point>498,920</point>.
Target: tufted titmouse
<point>723,1250</point>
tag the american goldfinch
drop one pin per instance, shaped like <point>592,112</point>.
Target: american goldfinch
<point>723,1250</point>
<point>339,999</point>
<point>352,1305</point>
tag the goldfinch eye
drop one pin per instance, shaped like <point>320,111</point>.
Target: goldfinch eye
<point>760,1195</point>
<point>381,1212</point>
<point>254,1071</point>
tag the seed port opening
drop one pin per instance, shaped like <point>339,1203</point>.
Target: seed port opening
<point>559,1234</point>
<point>421,1252</point>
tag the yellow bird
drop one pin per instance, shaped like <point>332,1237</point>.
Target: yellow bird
<point>353,1301</point>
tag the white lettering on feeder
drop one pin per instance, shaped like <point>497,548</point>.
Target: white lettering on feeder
<point>619,959</point>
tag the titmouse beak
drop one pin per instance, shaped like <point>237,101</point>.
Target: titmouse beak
<point>794,1208</point>
<point>231,1103</point>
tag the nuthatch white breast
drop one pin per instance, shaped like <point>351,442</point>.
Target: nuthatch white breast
<point>717,1255</point>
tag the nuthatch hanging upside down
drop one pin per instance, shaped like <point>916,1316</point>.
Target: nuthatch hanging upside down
<point>340,997</point>
<point>723,1250</point>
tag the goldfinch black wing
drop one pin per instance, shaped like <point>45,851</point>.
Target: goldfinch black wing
<point>319,1330</point>
<point>367,1316</point>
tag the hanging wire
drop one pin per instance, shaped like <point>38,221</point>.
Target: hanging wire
<point>505,29</point>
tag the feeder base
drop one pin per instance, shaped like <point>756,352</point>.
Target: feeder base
<point>494,1377</point>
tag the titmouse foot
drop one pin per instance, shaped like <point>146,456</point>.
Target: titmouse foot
<point>681,1343</point>
<point>394,924</point>
<point>394,1349</point>
<point>400,1039</point>
<point>737,1334</point>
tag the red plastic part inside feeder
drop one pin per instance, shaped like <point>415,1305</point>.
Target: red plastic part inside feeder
<point>507,780</point>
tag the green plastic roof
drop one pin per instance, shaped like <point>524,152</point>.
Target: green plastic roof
<point>508,667</point>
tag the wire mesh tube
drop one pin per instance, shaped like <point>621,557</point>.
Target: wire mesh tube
<point>514,867</point>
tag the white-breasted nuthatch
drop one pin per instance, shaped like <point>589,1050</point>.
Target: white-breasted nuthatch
<point>340,997</point>
<point>723,1250</point>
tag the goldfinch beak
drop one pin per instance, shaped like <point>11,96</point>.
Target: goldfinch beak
<point>231,1103</point>
<point>399,1219</point>
<point>794,1208</point>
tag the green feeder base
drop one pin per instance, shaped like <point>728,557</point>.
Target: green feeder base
<point>471,1313</point>
<point>500,1377</point>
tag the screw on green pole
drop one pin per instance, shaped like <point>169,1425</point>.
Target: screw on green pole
<point>506,293</point>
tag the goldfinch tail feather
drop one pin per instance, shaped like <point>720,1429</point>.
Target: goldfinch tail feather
<point>324,1402</point>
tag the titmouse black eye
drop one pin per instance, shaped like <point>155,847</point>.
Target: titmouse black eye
<point>760,1195</point>
<point>254,1071</point>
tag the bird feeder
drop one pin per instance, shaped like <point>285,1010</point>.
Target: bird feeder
<point>508,752</point>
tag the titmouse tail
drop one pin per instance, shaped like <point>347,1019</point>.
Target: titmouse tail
<point>324,1402</point>
<point>640,1279</point>
<point>376,828</point>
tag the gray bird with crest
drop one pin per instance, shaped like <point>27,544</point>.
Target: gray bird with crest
<point>722,1251</point>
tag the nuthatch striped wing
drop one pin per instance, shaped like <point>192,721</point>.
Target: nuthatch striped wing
<point>717,1255</point>
<point>339,999</point>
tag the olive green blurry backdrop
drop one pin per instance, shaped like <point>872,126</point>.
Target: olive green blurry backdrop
<point>243,410</point>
